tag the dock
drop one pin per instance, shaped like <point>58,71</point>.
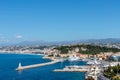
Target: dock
<point>73,69</point>
<point>36,65</point>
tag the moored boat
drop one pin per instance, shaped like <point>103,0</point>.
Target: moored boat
<point>73,58</point>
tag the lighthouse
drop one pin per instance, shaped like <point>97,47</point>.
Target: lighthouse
<point>19,66</point>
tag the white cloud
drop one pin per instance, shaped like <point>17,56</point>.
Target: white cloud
<point>18,36</point>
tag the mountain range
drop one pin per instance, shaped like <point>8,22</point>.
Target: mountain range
<point>46,43</point>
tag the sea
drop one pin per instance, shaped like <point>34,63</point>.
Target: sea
<point>9,62</point>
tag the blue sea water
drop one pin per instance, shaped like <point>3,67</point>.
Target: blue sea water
<point>9,62</point>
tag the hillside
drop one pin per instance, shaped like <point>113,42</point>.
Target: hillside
<point>86,49</point>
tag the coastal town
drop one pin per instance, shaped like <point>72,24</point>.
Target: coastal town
<point>59,39</point>
<point>98,59</point>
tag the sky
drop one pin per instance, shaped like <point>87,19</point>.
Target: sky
<point>59,20</point>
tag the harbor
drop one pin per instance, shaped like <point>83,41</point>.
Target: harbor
<point>92,69</point>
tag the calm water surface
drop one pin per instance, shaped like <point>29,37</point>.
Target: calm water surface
<point>8,63</point>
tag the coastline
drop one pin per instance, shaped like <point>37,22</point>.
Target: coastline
<point>21,53</point>
<point>43,56</point>
<point>27,53</point>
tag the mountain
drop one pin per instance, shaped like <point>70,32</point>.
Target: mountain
<point>104,41</point>
<point>43,43</point>
<point>46,43</point>
<point>31,43</point>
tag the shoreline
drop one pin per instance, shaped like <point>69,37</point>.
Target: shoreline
<point>21,53</point>
<point>43,56</point>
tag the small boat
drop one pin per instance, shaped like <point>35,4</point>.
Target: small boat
<point>93,62</point>
<point>73,58</point>
<point>90,62</point>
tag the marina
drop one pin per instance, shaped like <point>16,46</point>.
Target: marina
<point>92,69</point>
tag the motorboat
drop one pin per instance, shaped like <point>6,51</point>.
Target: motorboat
<point>73,58</point>
<point>91,62</point>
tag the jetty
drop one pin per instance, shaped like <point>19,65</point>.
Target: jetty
<point>20,67</point>
<point>70,70</point>
<point>73,69</point>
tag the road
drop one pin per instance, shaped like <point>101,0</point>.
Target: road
<point>102,77</point>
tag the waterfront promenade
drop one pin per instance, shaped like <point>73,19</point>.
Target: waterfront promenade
<point>36,65</point>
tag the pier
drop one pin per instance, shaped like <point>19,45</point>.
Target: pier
<point>70,70</point>
<point>36,65</point>
<point>73,69</point>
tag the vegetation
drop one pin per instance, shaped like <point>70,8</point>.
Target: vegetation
<point>112,72</point>
<point>90,49</point>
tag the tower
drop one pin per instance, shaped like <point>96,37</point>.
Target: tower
<point>19,66</point>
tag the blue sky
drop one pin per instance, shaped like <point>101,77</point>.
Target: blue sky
<point>59,20</point>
